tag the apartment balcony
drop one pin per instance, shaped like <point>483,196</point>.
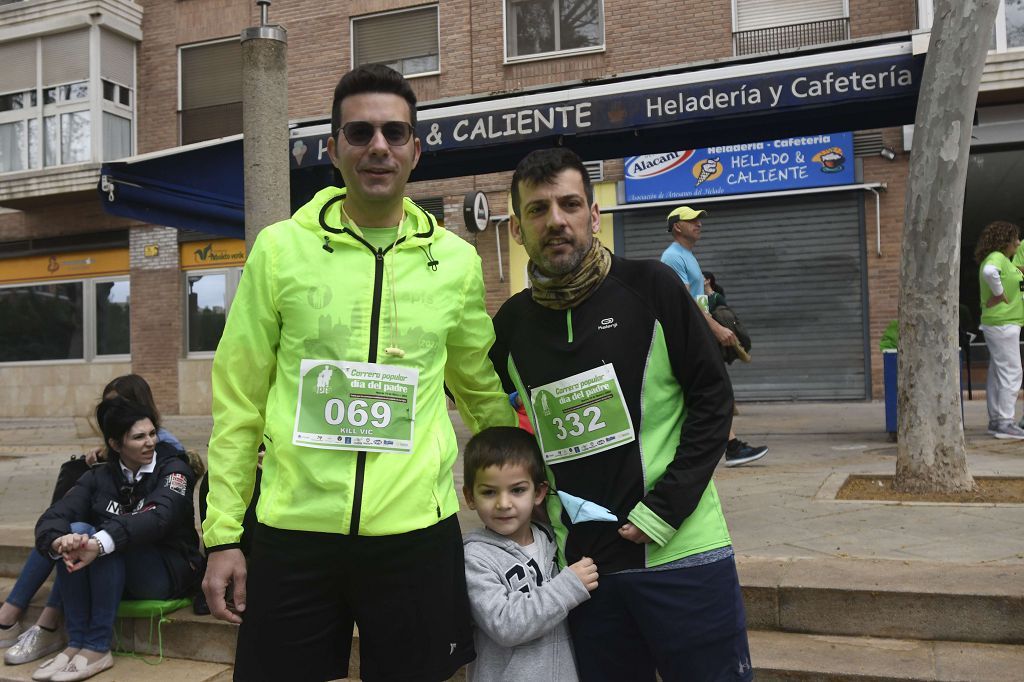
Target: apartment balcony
<point>26,18</point>
<point>775,38</point>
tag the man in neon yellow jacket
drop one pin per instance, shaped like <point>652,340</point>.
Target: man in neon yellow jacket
<point>349,321</point>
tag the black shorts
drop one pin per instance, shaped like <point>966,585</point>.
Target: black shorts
<point>407,594</point>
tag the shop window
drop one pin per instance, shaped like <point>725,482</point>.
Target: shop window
<point>42,322</point>
<point>210,82</point>
<point>113,321</point>
<point>406,40</point>
<point>539,28</point>
<point>209,298</point>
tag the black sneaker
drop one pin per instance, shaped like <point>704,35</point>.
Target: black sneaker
<point>737,452</point>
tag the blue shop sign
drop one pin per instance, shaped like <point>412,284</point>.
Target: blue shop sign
<point>791,163</point>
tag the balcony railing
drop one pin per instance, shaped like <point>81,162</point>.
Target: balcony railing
<point>791,36</point>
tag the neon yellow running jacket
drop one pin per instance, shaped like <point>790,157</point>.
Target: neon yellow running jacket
<point>313,288</point>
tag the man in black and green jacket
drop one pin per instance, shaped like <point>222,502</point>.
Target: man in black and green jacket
<point>631,404</point>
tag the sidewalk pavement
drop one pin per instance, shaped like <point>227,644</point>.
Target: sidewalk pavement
<point>780,506</point>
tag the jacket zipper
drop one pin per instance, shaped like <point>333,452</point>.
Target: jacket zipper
<point>378,287</point>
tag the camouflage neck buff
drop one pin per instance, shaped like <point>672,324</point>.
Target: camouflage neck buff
<point>571,289</point>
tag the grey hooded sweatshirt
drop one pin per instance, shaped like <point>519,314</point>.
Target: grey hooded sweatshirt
<point>519,609</point>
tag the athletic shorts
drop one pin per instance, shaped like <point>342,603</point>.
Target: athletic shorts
<point>688,623</point>
<point>305,590</point>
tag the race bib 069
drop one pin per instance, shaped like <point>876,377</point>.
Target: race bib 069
<point>355,406</point>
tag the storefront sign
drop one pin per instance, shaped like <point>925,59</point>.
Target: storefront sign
<point>807,87</point>
<point>216,253</point>
<point>791,163</point>
<point>700,97</point>
<point>73,265</point>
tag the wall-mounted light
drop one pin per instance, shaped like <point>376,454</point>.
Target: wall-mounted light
<point>887,153</point>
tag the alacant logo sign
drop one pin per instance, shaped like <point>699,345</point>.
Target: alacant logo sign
<point>650,165</point>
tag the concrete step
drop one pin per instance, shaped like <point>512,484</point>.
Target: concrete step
<point>781,656</point>
<point>880,598</point>
<point>130,669</point>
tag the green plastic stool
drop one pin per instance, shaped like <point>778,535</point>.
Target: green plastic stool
<point>153,609</point>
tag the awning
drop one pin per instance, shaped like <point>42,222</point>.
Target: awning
<point>195,187</point>
<point>855,86</point>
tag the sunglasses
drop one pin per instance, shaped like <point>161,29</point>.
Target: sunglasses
<point>359,133</point>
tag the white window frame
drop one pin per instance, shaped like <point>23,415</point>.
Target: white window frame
<point>926,16</point>
<point>88,321</point>
<point>556,54</point>
<point>189,46</point>
<point>232,276</point>
<point>352,40</point>
<point>26,114</point>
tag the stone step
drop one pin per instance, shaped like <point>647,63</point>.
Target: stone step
<point>131,669</point>
<point>885,598</point>
<point>784,656</point>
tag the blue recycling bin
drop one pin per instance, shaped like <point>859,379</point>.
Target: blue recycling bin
<point>890,372</point>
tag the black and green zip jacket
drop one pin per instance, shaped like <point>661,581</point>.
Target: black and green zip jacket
<point>677,393</point>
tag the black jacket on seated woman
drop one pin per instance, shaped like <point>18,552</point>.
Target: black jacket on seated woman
<point>156,510</point>
<point>125,530</point>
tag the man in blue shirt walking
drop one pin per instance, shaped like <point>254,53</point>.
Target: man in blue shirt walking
<point>684,224</point>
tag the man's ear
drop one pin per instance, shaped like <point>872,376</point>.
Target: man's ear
<point>332,151</point>
<point>468,494</point>
<point>595,218</point>
<point>515,229</point>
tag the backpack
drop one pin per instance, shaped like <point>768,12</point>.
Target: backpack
<point>724,315</point>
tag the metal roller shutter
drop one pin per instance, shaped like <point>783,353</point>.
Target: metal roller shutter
<point>792,270</point>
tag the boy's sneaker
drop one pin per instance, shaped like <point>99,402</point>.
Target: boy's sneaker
<point>1008,431</point>
<point>738,452</point>
<point>33,644</point>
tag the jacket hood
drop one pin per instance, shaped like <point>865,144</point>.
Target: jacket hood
<point>489,537</point>
<point>322,214</point>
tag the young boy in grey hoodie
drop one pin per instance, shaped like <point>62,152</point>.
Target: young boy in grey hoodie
<point>518,597</point>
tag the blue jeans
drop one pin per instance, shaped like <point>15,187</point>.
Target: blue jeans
<point>91,595</point>
<point>33,574</point>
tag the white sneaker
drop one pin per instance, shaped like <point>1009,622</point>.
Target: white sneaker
<point>1008,431</point>
<point>33,644</point>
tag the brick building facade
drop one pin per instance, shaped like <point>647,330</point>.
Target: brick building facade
<point>52,209</point>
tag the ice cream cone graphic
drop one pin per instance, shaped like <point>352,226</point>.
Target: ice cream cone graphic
<point>709,170</point>
<point>299,151</point>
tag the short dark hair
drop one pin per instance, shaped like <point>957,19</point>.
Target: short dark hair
<point>116,416</point>
<point>540,167</point>
<point>499,446</point>
<point>371,78</point>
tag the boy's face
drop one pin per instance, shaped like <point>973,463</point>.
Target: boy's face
<point>504,498</point>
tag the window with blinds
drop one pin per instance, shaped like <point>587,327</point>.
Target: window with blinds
<point>769,25</point>
<point>406,40</point>
<point>210,80</point>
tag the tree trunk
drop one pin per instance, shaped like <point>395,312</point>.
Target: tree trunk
<point>931,453</point>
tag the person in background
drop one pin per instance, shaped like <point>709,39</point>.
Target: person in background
<point>685,224</point>
<point>45,636</point>
<point>1002,314</point>
<point>125,530</point>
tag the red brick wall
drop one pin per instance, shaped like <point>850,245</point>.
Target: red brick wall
<point>884,271</point>
<point>877,17</point>
<point>157,321</point>
<point>60,219</point>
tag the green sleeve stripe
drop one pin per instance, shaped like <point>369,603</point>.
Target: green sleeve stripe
<point>652,524</point>
<point>568,322</point>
